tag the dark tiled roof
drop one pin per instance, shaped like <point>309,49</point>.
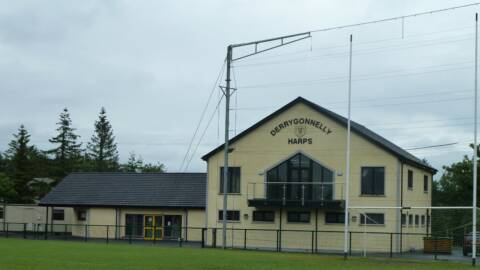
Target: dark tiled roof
<point>168,190</point>
<point>356,127</point>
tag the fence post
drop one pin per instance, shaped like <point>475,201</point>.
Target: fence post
<point>46,231</point>
<point>316,241</point>
<point>65,232</point>
<point>24,230</point>
<point>6,231</point>
<point>350,243</point>
<point>203,237</point>
<point>34,231</point>
<point>313,245</point>
<point>154,233</point>
<point>130,238</point>
<point>435,248</point>
<point>86,233</point>
<point>280,240</point>
<point>245,239</point>
<point>214,237</point>
<point>391,245</point>
<point>107,233</point>
<point>277,241</point>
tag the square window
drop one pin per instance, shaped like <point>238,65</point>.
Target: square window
<point>232,215</point>
<point>264,216</point>
<point>300,217</point>
<point>373,181</point>
<point>335,218</point>
<point>372,219</point>
<point>233,185</point>
<point>58,214</point>
<point>81,214</point>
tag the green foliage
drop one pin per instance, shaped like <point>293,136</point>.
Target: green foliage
<point>102,149</point>
<point>67,152</point>
<point>135,164</point>
<point>7,189</point>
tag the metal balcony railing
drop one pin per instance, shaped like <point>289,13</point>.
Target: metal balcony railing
<point>295,191</point>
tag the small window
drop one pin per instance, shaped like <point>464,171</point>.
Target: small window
<point>417,220</point>
<point>428,220</point>
<point>410,179</point>
<point>425,183</point>
<point>335,218</point>
<point>410,219</point>
<point>423,220</point>
<point>372,219</point>
<point>404,219</point>
<point>1,213</point>
<point>81,215</point>
<point>373,181</point>
<point>233,180</point>
<point>232,215</point>
<point>265,216</point>
<point>301,217</point>
<point>58,214</point>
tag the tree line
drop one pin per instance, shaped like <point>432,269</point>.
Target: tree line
<point>24,167</point>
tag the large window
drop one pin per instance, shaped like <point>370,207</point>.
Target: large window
<point>425,183</point>
<point>372,219</point>
<point>300,217</point>
<point>335,218</point>
<point>232,215</point>
<point>298,178</point>
<point>233,180</point>
<point>373,181</point>
<point>410,179</point>
<point>1,213</point>
<point>134,225</point>
<point>404,219</point>
<point>264,216</point>
<point>58,214</point>
<point>417,220</point>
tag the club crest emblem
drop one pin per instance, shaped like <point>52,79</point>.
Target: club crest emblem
<point>300,131</point>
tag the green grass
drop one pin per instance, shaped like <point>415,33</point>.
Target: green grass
<point>40,254</point>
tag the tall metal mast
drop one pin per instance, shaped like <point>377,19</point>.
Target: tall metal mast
<point>475,153</point>
<point>284,40</point>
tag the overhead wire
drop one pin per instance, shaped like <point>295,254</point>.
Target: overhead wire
<point>202,115</point>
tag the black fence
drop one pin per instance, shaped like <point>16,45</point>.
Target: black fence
<point>386,244</point>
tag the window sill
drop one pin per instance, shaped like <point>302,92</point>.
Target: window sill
<point>236,194</point>
<point>373,195</point>
<point>229,221</point>
<point>263,222</point>
<point>334,224</point>
<point>373,225</point>
<point>298,222</point>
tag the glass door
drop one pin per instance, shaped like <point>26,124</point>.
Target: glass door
<point>153,229</point>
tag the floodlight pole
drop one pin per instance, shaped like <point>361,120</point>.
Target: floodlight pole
<point>284,40</point>
<point>347,169</point>
<point>475,153</point>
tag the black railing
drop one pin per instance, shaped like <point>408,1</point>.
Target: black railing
<point>389,244</point>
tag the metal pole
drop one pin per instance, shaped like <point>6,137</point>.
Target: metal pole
<point>226,148</point>
<point>347,170</point>
<point>474,203</point>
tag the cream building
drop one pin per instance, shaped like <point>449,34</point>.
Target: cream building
<point>150,206</point>
<point>287,173</point>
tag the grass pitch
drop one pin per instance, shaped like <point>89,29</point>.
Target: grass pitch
<point>19,254</point>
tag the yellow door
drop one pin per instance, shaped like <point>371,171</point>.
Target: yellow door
<point>153,229</point>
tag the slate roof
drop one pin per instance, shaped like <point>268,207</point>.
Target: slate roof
<point>166,190</point>
<point>355,127</point>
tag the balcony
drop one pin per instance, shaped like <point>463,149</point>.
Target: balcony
<point>295,194</point>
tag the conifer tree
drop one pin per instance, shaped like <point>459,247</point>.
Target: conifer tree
<point>67,151</point>
<point>21,169</point>
<point>102,148</point>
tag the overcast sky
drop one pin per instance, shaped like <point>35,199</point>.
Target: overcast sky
<point>152,65</point>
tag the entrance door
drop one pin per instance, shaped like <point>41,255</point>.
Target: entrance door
<point>173,227</point>
<point>153,229</point>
